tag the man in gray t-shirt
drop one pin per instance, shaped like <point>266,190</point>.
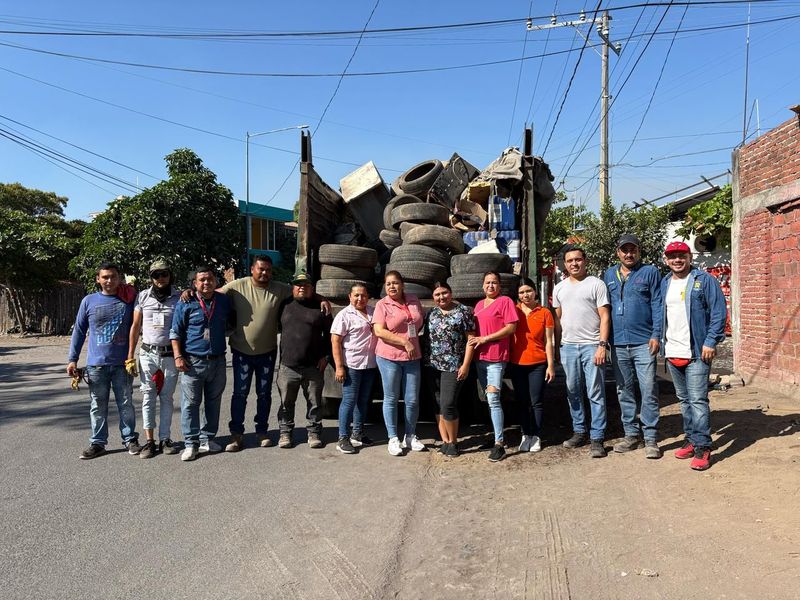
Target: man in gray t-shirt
<point>582,306</point>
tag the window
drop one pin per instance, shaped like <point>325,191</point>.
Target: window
<point>263,234</point>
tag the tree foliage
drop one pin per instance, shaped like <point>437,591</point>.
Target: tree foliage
<point>712,217</point>
<point>561,224</point>
<point>35,203</point>
<point>648,223</point>
<point>188,219</point>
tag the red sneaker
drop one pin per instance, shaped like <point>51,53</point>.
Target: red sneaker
<point>701,460</point>
<point>685,451</point>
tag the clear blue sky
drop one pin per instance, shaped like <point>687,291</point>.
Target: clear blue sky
<point>395,120</point>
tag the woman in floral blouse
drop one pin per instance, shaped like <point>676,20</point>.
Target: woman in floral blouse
<point>447,358</point>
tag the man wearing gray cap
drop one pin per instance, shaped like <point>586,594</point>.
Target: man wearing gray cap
<point>635,295</point>
<point>152,316</point>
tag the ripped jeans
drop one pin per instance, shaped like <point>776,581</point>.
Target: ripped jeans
<point>491,374</point>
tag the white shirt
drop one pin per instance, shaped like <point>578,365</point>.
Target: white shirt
<point>579,301</point>
<point>678,338</point>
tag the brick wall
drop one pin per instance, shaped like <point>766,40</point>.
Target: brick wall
<point>767,258</point>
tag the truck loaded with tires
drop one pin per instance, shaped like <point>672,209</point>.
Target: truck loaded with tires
<point>439,220</point>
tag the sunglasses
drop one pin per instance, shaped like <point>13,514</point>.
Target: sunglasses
<point>159,274</point>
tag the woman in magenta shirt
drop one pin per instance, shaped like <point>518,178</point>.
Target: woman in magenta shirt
<point>398,323</point>
<point>496,318</point>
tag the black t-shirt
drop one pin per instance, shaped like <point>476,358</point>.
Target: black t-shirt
<point>305,333</point>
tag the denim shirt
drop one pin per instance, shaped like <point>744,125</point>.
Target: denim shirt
<point>706,310</point>
<point>636,305</point>
<point>190,321</point>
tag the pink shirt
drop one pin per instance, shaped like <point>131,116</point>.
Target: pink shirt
<point>492,319</point>
<point>394,316</point>
<point>358,340</point>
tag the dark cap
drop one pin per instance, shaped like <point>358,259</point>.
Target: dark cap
<point>628,239</point>
<point>301,277</point>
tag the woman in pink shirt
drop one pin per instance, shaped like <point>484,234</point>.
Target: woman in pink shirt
<point>496,318</point>
<point>398,322</point>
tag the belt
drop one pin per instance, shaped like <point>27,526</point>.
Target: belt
<point>205,356</point>
<point>162,350</point>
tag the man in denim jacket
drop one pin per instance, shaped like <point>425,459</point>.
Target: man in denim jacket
<point>634,291</point>
<point>693,324</point>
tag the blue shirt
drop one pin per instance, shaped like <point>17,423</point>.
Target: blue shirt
<point>706,310</point>
<point>636,305</point>
<point>107,322</point>
<point>191,320</point>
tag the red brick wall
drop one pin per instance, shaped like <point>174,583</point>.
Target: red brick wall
<point>771,160</point>
<point>769,260</point>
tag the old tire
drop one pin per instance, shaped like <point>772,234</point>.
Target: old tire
<point>347,256</point>
<point>419,178</point>
<point>470,287</point>
<point>433,214</point>
<point>419,271</point>
<point>334,272</point>
<point>420,291</point>
<point>435,235</point>
<point>465,264</point>
<point>406,227</point>
<point>399,200</point>
<point>340,288</point>
<point>390,238</point>
<point>412,252</point>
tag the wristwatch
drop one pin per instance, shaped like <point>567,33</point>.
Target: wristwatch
<point>604,344</point>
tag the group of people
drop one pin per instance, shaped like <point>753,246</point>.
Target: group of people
<point>629,317</point>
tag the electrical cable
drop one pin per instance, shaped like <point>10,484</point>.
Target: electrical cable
<point>519,78</point>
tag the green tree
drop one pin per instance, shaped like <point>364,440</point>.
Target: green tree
<point>30,201</point>
<point>712,217</point>
<point>187,219</point>
<point>561,224</point>
<point>648,223</point>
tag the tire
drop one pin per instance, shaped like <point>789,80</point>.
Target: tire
<point>412,252</point>
<point>470,287</point>
<point>390,238</point>
<point>436,235</point>
<point>406,227</point>
<point>433,214</point>
<point>419,271</point>
<point>419,178</point>
<point>340,288</point>
<point>333,272</point>
<point>347,256</point>
<point>465,264</point>
<point>399,200</point>
<point>420,291</point>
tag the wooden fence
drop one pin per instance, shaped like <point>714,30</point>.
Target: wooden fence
<point>48,312</point>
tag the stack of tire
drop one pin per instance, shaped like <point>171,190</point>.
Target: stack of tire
<point>468,270</point>
<point>343,266</point>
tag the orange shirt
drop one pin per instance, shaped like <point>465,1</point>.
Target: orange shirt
<point>529,338</point>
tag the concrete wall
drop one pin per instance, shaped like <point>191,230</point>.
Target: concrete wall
<point>766,259</point>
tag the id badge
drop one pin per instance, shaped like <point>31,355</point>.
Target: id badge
<point>412,330</point>
<point>206,334</point>
<point>158,320</point>
<point>620,309</point>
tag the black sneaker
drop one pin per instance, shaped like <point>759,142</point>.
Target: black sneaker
<point>451,450</point>
<point>359,439</point>
<point>597,450</point>
<point>344,446</point>
<point>134,447</point>
<point>577,440</point>
<point>443,448</point>
<point>498,453</point>
<point>148,450</point>
<point>93,451</point>
<point>168,446</point>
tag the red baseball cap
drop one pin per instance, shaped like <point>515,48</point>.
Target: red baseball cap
<point>677,247</point>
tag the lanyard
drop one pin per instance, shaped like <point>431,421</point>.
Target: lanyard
<point>209,314</point>
<point>622,280</point>
<point>408,312</point>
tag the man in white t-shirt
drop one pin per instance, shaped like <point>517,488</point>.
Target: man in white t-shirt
<point>582,306</point>
<point>693,325</point>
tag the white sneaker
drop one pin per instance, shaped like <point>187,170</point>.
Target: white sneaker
<point>394,447</point>
<point>209,447</point>
<point>525,444</point>
<point>411,441</point>
<point>536,444</point>
<point>189,453</point>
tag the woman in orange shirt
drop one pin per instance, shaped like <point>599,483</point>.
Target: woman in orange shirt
<point>532,362</point>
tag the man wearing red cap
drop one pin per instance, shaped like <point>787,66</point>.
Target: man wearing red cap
<point>694,323</point>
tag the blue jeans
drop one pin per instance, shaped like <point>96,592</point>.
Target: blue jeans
<point>203,382</point>
<point>244,367</point>
<point>150,363</point>
<point>630,361</point>
<point>579,367</point>
<point>691,387</point>
<point>355,399</point>
<point>400,377</point>
<point>491,374</point>
<point>101,381</point>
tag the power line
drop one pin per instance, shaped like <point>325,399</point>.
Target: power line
<point>539,70</point>
<point>519,79</point>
